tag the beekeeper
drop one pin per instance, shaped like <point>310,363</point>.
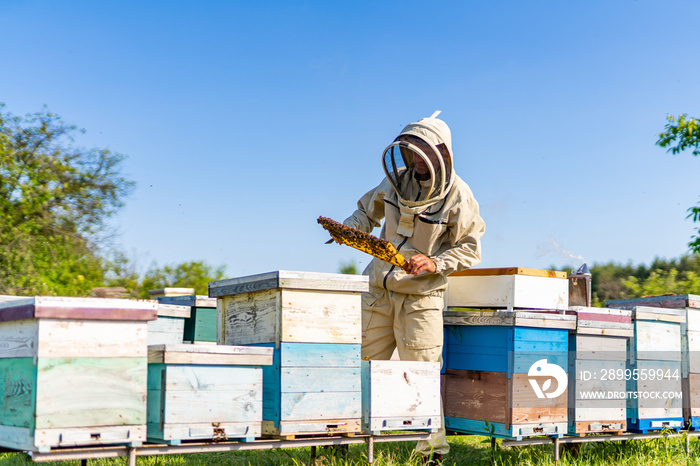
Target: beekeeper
<point>432,218</point>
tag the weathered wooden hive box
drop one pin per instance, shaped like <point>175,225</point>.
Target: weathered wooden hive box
<point>690,347</point>
<point>400,395</point>
<point>199,392</point>
<point>73,372</point>
<point>597,364</point>
<point>508,288</point>
<point>654,358</point>
<point>313,322</point>
<point>169,327</point>
<point>200,326</point>
<point>506,372</point>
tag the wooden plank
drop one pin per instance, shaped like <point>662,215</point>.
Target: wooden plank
<point>203,431</point>
<point>80,392</point>
<point>292,280</point>
<point>691,395</point>
<point>62,338</point>
<point>171,310</point>
<point>665,301</point>
<point>201,325</point>
<point>651,403</point>
<point>657,340</point>
<point>18,339</point>
<point>319,355</point>
<point>250,318</point>
<point>90,436</point>
<point>199,406</point>
<point>320,379</point>
<point>458,316</point>
<point>210,355</point>
<point>307,406</point>
<point>598,347</point>
<point>17,392</point>
<point>320,317</point>
<point>313,427</point>
<point>508,291</point>
<point>528,409</point>
<point>693,319</point>
<point>509,271</point>
<point>196,378</point>
<point>58,307</point>
<point>479,395</point>
<point>601,426</point>
<point>402,388</point>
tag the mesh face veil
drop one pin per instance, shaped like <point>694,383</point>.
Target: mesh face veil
<point>419,163</point>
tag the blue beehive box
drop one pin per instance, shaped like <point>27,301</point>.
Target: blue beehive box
<point>506,372</point>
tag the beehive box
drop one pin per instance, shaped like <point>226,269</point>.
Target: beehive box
<point>169,327</point>
<point>508,288</point>
<point>690,347</point>
<point>313,320</point>
<point>200,326</point>
<point>73,372</point>
<point>654,384</point>
<point>400,395</point>
<point>508,369</point>
<point>597,363</point>
<point>202,392</point>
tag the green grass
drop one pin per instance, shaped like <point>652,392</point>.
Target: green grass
<point>465,450</point>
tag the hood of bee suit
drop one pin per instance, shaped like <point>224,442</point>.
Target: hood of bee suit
<point>419,166</point>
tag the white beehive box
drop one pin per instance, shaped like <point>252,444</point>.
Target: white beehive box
<point>73,371</point>
<point>286,306</point>
<point>400,395</point>
<point>198,392</point>
<point>508,288</point>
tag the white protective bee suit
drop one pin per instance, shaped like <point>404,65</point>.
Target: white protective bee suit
<point>434,214</point>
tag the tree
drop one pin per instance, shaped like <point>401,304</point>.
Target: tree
<point>54,201</point>
<point>349,267</point>
<point>684,132</point>
<point>194,274</point>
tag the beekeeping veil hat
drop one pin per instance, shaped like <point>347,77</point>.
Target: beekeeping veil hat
<point>419,166</point>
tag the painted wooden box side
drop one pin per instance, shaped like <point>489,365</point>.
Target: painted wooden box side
<point>312,381</point>
<point>504,349</point>
<point>201,325</point>
<point>193,401</point>
<point>166,330</point>
<point>657,397</point>
<point>666,301</point>
<point>287,315</point>
<point>656,340</point>
<point>400,395</point>
<point>493,397</point>
<point>508,291</point>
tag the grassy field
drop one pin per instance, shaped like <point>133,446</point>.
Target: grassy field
<point>466,450</point>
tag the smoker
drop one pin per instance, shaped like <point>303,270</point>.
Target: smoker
<point>580,287</point>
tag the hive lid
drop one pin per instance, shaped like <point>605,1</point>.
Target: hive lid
<point>290,280</point>
<point>665,301</point>
<point>218,355</point>
<point>57,307</point>
<point>529,318</point>
<point>190,300</point>
<point>171,310</point>
<point>509,271</point>
<point>656,313</point>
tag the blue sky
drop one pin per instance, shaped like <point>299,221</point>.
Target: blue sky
<point>243,121</point>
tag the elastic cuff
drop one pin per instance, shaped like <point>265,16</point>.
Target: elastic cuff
<point>439,264</point>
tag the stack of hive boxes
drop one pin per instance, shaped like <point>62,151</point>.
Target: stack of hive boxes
<point>506,352</point>
<point>73,371</point>
<point>313,323</point>
<point>200,326</point>
<point>690,347</point>
<point>654,377</point>
<point>597,364</point>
